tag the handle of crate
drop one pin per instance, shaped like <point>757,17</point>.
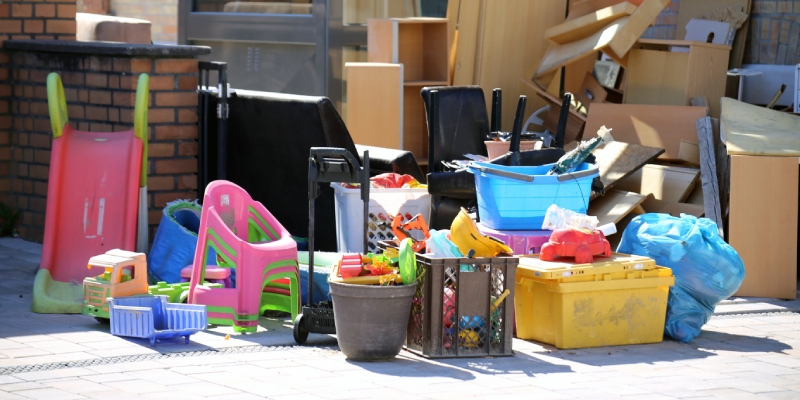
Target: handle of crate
<point>576,175</point>
<point>505,174</point>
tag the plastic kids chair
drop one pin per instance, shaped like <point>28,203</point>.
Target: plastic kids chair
<point>249,239</point>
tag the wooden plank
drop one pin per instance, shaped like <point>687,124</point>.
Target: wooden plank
<point>656,77</point>
<point>763,224</point>
<point>375,104</point>
<point>591,91</point>
<point>689,152</point>
<point>379,41</point>
<point>696,197</point>
<point>587,25</point>
<point>698,8</point>
<point>672,184</point>
<point>648,125</point>
<point>752,130</point>
<point>701,30</point>
<point>579,8</point>
<point>575,73</point>
<point>707,75</point>
<point>468,32</point>
<point>614,206</point>
<point>708,173</point>
<point>415,133</point>
<point>652,205</point>
<point>739,40</point>
<point>618,160</point>
<point>641,19</point>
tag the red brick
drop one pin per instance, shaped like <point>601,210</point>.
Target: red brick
<point>27,155</point>
<point>176,99</point>
<point>187,115</point>
<point>97,80</point>
<point>3,74</point>
<point>71,94</point>
<point>27,187</point>
<point>41,156</point>
<point>161,83</point>
<point>100,64</point>
<point>40,92</point>
<point>5,90</point>
<point>21,10</point>
<point>160,183</point>
<point>161,199</point>
<point>176,132</point>
<point>100,127</point>
<point>40,172</point>
<point>45,10</point>
<point>75,111</point>
<point>139,65</point>
<point>73,78</point>
<point>37,204</point>
<point>67,11</point>
<point>187,83</point>
<point>97,113</point>
<point>34,26</point>
<point>187,182</point>
<point>40,140</point>
<point>161,115</point>
<point>100,97</point>
<point>59,26</point>
<point>5,122</point>
<point>11,26</point>
<point>113,115</point>
<point>124,99</point>
<point>4,57</point>
<point>161,150</point>
<point>5,10</point>
<point>113,82</point>
<point>176,166</point>
<point>38,76</point>
<point>177,66</point>
<point>4,108</point>
<point>43,125</point>
<point>83,96</point>
<point>5,154</point>
<point>153,216</point>
<point>40,108</point>
<point>187,149</point>
<point>122,65</point>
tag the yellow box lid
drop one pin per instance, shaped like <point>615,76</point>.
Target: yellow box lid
<point>532,266</point>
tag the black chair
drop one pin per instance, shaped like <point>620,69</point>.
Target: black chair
<point>269,138</point>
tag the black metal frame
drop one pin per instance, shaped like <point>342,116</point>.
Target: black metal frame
<point>204,93</point>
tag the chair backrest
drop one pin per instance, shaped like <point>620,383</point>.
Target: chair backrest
<point>463,122</point>
<point>270,137</point>
<point>240,213</point>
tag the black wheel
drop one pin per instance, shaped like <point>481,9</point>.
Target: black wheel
<point>300,331</point>
<point>103,320</point>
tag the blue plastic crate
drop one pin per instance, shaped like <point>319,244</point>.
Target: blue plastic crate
<point>152,317</point>
<point>517,198</point>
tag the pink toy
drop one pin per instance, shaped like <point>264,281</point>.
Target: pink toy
<point>522,242</point>
<point>569,242</point>
<point>248,238</point>
<point>213,275</point>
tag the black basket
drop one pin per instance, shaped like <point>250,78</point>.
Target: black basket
<point>443,323</point>
<point>319,317</point>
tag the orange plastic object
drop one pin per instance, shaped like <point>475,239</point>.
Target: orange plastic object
<point>575,243</point>
<point>401,230</point>
<point>350,265</point>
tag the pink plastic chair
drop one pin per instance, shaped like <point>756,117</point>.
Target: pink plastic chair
<point>248,238</point>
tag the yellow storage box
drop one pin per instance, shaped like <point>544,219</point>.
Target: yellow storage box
<point>613,301</point>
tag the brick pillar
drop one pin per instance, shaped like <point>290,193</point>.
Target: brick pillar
<point>100,92</point>
<point>774,33</point>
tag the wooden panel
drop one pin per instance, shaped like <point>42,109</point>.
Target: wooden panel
<point>410,49</point>
<point>753,130</point>
<point>435,51</point>
<point>707,75</point>
<point>575,73</point>
<point>763,224</point>
<point>614,206</point>
<point>696,197</point>
<point>691,9</point>
<point>510,47</point>
<point>587,25</point>
<point>652,205</point>
<point>379,40</point>
<point>468,24</point>
<point>701,30</point>
<point>560,55</point>
<point>415,131</point>
<point>656,77</point>
<point>375,104</point>
<point>737,51</point>
<point>689,152</point>
<point>648,125</point>
<point>617,160</point>
<point>640,20</point>
<point>591,91</point>
<point>672,184</point>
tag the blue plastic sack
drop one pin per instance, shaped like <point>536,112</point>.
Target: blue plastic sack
<point>175,242</point>
<point>707,270</point>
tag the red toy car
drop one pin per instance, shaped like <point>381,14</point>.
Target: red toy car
<point>575,243</point>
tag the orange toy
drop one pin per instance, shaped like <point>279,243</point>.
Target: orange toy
<point>582,245</point>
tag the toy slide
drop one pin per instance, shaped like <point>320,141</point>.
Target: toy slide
<point>94,189</point>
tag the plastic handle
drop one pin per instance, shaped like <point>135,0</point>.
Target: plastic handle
<point>56,104</point>
<point>505,174</point>
<point>140,121</point>
<point>576,175</point>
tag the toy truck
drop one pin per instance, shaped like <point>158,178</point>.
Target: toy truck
<point>152,317</point>
<point>125,275</point>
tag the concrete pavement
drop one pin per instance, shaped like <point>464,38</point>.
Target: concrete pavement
<point>752,351</point>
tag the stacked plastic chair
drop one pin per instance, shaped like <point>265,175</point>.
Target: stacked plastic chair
<point>247,238</point>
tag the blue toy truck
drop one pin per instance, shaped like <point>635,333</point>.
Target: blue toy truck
<point>152,317</point>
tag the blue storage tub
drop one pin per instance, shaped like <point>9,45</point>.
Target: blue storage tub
<point>517,198</point>
<point>152,317</point>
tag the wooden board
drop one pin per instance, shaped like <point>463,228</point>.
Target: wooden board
<point>708,173</point>
<point>701,30</point>
<point>656,77</point>
<point>587,25</point>
<point>468,31</point>
<point>689,152</point>
<point>614,206</point>
<point>671,184</point>
<point>698,8</point>
<point>763,224</point>
<point>591,91</point>
<point>652,205</point>
<point>648,125</point>
<point>617,160</point>
<point>696,197</point>
<point>379,41</point>
<point>752,130</point>
<point>375,104</point>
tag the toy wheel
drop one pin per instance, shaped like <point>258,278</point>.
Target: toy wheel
<point>300,332</point>
<point>548,252</point>
<point>583,255</point>
<point>103,320</point>
<point>608,249</point>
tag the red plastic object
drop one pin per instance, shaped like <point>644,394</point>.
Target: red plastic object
<point>575,243</point>
<point>350,266</point>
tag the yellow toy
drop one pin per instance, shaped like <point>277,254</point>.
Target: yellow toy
<point>125,274</point>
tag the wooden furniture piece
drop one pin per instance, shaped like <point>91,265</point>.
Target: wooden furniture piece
<point>700,8</point>
<point>588,24</point>
<point>419,47</point>
<point>657,74</point>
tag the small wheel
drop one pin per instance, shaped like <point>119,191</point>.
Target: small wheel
<point>300,332</point>
<point>608,249</point>
<point>548,252</point>
<point>102,320</point>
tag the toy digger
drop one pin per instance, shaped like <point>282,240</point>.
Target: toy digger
<point>401,230</point>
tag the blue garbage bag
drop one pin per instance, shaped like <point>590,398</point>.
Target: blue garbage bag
<point>707,270</point>
<point>175,242</point>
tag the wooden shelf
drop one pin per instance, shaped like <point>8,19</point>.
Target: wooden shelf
<point>425,83</point>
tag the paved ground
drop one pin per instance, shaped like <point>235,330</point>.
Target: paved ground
<point>73,356</point>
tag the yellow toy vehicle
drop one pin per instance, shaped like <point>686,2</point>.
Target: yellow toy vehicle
<point>125,275</point>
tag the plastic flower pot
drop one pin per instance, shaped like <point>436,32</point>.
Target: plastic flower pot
<point>371,321</point>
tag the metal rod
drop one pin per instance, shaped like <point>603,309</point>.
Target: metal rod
<point>433,125</point>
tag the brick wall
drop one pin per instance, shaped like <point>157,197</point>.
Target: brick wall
<point>162,14</point>
<point>100,92</point>
<point>772,36</point>
<point>24,19</point>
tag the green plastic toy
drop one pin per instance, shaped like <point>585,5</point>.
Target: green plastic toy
<point>408,262</point>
